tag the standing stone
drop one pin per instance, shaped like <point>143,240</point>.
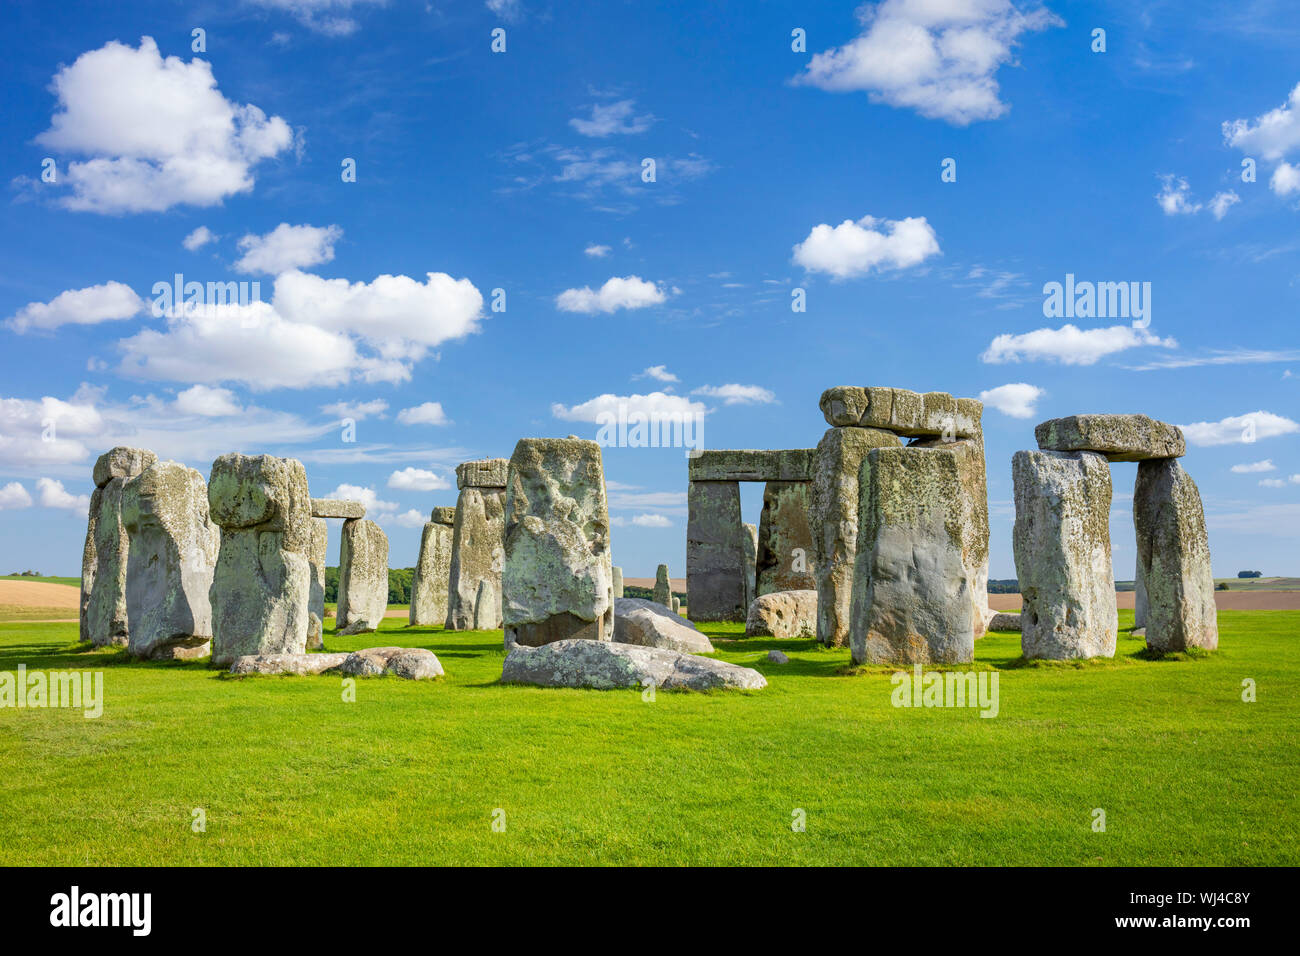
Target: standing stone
<point>1062,550</point>
<point>677,605</point>
<point>618,582</point>
<point>261,588</point>
<point>715,579</point>
<point>917,562</point>
<point>749,567</point>
<point>663,592</point>
<point>106,610</point>
<point>477,550</point>
<point>1140,597</point>
<point>363,577</point>
<point>319,554</point>
<point>173,553</point>
<point>433,570</point>
<point>89,562</point>
<point>833,516</point>
<point>1174,556</point>
<point>557,582</point>
<point>785,559</point>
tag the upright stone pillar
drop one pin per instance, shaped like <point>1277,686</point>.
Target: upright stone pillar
<point>833,516</point>
<point>1140,597</point>
<point>261,589</point>
<point>917,564</point>
<point>433,569</point>
<point>618,581</point>
<point>1062,550</point>
<point>477,548</point>
<point>318,555</point>
<point>173,553</point>
<point>1174,558</point>
<point>715,580</point>
<point>663,590</point>
<point>557,582</point>
<point>785,559</point>
<point>363,577</point>
<point>105,618</point>
<point>749,567</point>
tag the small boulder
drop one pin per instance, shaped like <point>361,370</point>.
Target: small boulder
<point>776,657</point>
<point>412,663</point>
<point>783,614</point>
<point>300,664</point>
<point>605,665</point>
<point>649,624</point>
<point>1002,621</point>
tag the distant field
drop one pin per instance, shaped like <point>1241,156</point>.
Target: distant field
<point>42,579</point>
<point>1260,584</point>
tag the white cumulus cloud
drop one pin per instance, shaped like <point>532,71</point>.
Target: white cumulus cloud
<point>938,57</point>
<point>855,248</point>
<point>1285,179</point>
<point>1016,399</point>
<point>427,413</point>
<point>54,495</point>
<point>1070,345</point>
<point>155,132</point>
<point>1239,429</point>
<point>651,521</point>
<point>14,496</point>
<point>734,394</point>
<point>608,119</point>
<point>287,247</point>
<point>1255,467</point>
<point>627,292</point>
<point>417,479</point>
<point>654,407</point>
<point>207,401</point>
<point>98,303</point>
<point>596,251</point>
<point>659,373</point>
<point>1272,135</point>
<point>199,238</point>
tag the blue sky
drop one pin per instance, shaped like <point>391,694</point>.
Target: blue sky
<point>775,170</point>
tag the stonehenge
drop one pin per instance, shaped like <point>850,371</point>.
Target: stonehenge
<point>477,549</point>
<point>749,561</point>
<point>317,557</point>
<point>1062,553</point>
<point>433,569</point>
<point>103,599</point>
<point>663,589</point>
<point>784,553</point>
<point>363,577</point>
<point>557,576</point>
<point>618,582</point>
<point>171,560</point>
<point>262,583</point>
<point>1062,539</point>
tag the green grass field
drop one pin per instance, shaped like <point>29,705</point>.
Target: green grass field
<point>286,772</point>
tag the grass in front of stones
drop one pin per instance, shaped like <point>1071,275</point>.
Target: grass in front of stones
<point>286,772</point>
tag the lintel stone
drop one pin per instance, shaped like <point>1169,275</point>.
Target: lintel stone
<point>719,464</point>
<point>337,508</point>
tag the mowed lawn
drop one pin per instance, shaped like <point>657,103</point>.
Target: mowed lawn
<point>286,772</point>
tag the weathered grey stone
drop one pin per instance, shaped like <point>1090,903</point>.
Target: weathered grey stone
<point>918,560</point>
<point>715,582</point>
<point>317,558</point>
<point>677,604</point>
<point>477,556</point>
<point>735,464</point>
<point>776,657</point>
<point>89,562</point>
<point>784,560</point>
<point>604,665</point>
<point>833,518</point>
<point>783,614</point>
<point>1004,621</point>
<point>173,553</point>
<point>336,508</point>
<point>261,588</point>
<point>1062,550</point>
<point>412,663</point>
<point>299,664</point>
<point>650,624</point>
<point>121,462</point>
<point>363,577</point>
<point>557,582</point>
<point>749,564</point>
<point>483,473</point>
<point>432,574</point>
<point>1174,556</point>
<point>663,589</point>
<point>901,411</point>
<point>1118,437</point>
<point>106,613</point>
<point>443,514</point>
<point>1140,597</point>
<point>618,581</point>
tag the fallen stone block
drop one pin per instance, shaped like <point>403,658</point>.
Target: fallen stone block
<point>649,624</point>
<point>299,664</point>
<point>603,665</point>
<point>411,663</point>
<point>1002,621</point>
<point>783,614</point>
